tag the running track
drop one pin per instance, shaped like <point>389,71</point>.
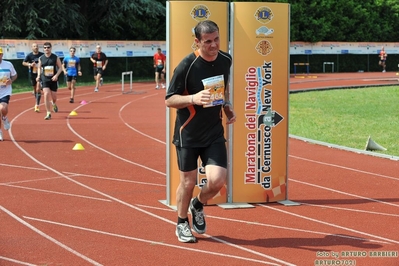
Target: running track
<point>101,206</point>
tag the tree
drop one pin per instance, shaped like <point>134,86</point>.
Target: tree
<point>344,20</point>
<point>311,20</point>
<point>76,19</point>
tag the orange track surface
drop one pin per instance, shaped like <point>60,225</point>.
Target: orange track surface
<point>100,206</point>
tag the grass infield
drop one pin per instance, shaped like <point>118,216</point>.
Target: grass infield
<point>347,117</point>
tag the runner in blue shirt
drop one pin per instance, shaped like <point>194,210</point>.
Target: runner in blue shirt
<point>72,69</point>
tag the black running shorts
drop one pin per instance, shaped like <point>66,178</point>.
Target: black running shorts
<point>215,154</point>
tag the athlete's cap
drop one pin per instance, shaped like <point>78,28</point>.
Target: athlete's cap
<point>1,50</point>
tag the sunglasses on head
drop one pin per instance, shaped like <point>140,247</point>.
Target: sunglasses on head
<point>46,47</point>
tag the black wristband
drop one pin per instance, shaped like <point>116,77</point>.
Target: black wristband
<point>226,103</point>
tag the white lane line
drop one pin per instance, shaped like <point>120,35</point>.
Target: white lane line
<point>272,226</point>
<point>345,193</point>
<point>114,179</point>
<point>53,240</point>
<point>22,167</point>
<point>330,224</point>
<point>29,181</point>
<point>59,193</point>
<point>152,242</point>
<point>348,209</point>
<point>16,261</point>
<point>136,130</point>
<point>346,168</point>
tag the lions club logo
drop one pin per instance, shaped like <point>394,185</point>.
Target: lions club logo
<point>200,13</point>
<point>264,14</point>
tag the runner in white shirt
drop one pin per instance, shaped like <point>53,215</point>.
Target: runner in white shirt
<point>7,76</point>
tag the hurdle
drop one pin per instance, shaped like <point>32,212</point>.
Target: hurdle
<point>130,73</point>
<point>301,64</point>
<point>328,63</point>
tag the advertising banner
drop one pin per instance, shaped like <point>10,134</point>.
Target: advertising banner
<point>260,50</point>
<point>182,17</point>
<point>298,48</point>
<point>18,49</point>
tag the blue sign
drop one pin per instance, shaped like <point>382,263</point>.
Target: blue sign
<point>59,53</point>
<point>20,55</point>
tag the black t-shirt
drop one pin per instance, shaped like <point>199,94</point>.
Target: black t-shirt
<point>100,59</point>
<point>49,67</point>
<point>195,125</point>
<point>33,58</point>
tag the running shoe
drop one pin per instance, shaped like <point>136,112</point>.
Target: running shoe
<point>101,81</point>
<point>163,86</point>
<point>157,87</point>
<point>184,234</point>
<point>47,117</point>
<point>71,100</point>
<point>55,108</point>
<point>37,109</point>
<point>6,123</point>
<point>95,89</point>
<point>198,218</point>
<point>1,135</point>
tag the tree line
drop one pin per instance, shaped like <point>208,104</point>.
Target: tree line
<point>311,20</point>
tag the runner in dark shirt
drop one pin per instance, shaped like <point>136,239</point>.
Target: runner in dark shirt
<point>199,92</point>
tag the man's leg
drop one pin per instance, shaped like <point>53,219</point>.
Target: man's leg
<point>97,79</point>
<point>156,79</point>
<point>72,88</point>
<point>184,193</point>
<point>54,99</point>
<point>38,95</point>
<point>216,178</point>
<point>47,102</point>
<point>163,80</point>
<point>214,158</point>
<point>3,115</point>
<point>54,96</point>
<point>3,111</point>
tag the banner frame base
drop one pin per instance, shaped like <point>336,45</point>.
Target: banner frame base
<point>235,205</point>
<point>165,202</point>
<point>221,205</point>
<point>288,203</point>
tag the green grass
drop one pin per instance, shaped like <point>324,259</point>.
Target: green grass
<point>347,117</point>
